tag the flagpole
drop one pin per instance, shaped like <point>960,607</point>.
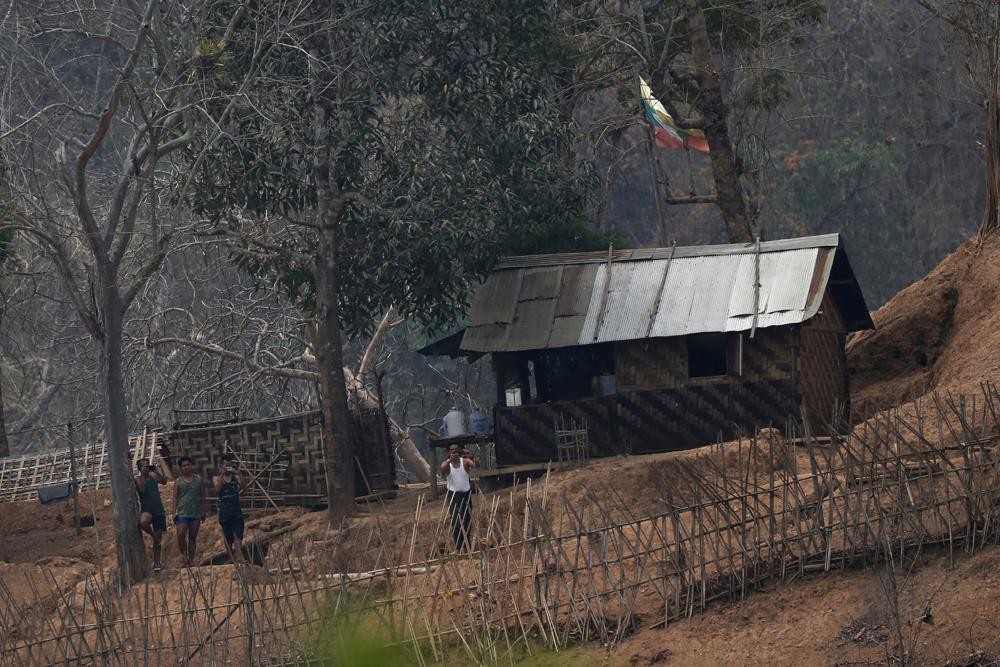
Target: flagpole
<point>653,157</point>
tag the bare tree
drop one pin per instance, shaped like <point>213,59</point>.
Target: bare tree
<point>697,58</point>
<point>979,23</point>
<point>265,345</point>
<point>714,121</point>
<point>99,100</point>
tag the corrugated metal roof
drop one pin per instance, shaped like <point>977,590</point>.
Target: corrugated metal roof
<point>639,254</point>
<point>564,300</point>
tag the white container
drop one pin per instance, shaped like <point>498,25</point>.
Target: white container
<point>454,423</point>
<point>478,422</point>
<point>513,397</point>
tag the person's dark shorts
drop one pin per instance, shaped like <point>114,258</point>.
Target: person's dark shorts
<point>232,528</point>
<point>179,520</point>
<point>159,522</point>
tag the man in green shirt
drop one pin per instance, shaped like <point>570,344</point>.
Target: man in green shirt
<point>152,516</point>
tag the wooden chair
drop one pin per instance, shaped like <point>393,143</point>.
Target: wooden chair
<point>572,440</point>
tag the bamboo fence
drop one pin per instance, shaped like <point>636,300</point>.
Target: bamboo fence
<point>22,476</point>
<point>548,569</point>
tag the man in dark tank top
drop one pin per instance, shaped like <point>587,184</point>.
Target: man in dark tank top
<point>152,516</point>
<point>228,484</point>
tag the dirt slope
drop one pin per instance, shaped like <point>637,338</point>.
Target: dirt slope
<point>940,333</point>
<point>838,619</point>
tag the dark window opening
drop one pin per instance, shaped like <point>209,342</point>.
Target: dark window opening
<point>569,373</point>
<point>558,374</point>
<point>707,355</point>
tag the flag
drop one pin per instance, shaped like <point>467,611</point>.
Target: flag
<point>667,134</point>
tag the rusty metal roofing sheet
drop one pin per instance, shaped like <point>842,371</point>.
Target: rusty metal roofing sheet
<point>497,298</point>
<point>575,291</point>
<point>526,306</point>
<point>540,283</point>
<point>485,338</point>
<point>566,331</point>
<point>531,325</point>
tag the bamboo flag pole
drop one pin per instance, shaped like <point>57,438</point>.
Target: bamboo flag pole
<point>756,288</point>
<point>660,186</point>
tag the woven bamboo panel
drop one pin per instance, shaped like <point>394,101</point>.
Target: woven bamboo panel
<point>667,420</point>
<point>770,355</point>
<point>823,366</point>
<point>656,363</point>
<point>647,421</point>
<point>527,434</point>
<point>298,476</point>
<point>286,450</point>
<point>373,449</point>
<point>21,476</point>
<point>298,470</point>
<point>662,363</point>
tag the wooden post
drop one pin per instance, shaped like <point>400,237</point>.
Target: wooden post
<point>72,472</point>
<point>661,189</point>
<point>434,468</point>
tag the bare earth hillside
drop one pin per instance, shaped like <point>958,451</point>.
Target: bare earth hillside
<point>841,619</point>
<point>940,333</point>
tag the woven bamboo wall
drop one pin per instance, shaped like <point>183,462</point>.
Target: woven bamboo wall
<point>22,476</point>
<point>292,442</point>
<point>646,421</point>
<point>296,440</point>
<point>662,363</point>
<point>823,366</point>
<point>297,476</point>
<point>659,408</point>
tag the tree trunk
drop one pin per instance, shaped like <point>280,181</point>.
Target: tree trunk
<point>711,106</point>
<point>407,450</point>
<point>132,565</point>
<point>991,217</point>
<point>338,455</point>
<point>4,444</point>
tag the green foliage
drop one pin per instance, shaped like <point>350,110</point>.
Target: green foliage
<point>845,173</point>
<point>845,187</point>
<point>576,234</point>
<point>448,146</point>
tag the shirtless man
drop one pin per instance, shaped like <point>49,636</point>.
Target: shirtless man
<point>152,516</point>
<point>458,500</point>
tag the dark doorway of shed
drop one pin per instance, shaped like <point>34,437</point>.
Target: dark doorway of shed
<point>570,373</point>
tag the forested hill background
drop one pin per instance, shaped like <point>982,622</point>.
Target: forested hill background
<point>880,139</point>
<point>859,119</point>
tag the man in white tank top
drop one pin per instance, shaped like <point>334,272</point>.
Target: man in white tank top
<point>458,500</point>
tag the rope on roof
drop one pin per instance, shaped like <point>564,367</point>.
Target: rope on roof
<point>756,288</point>
<point>659,292</point>
<point>607,291</point>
